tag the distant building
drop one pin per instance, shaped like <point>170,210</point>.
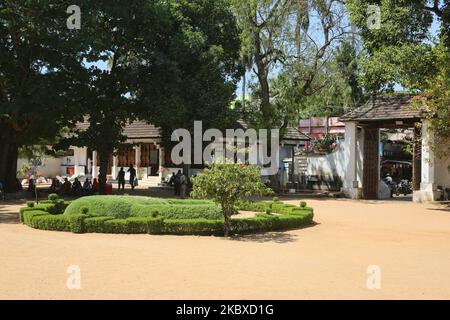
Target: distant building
<point>318,127</point>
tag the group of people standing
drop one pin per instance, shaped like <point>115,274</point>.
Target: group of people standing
<point>121,178</point>
<point>180,182</point>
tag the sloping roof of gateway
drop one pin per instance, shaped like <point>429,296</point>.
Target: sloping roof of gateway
<point>391,107</point>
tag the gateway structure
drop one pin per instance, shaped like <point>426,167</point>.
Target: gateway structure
<point>360,156</point>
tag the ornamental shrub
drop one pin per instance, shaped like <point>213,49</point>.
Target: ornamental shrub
<point>227,184</point>
<point>53,197</point>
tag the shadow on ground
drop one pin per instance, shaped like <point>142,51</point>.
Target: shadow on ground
<point>442,209</point>
<point>7,216</point>
<point>276,237</point>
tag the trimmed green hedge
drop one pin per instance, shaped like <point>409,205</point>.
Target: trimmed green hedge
<point>271,216</point>
<point>122,207</point>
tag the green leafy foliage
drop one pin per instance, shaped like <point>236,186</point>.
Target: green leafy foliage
<point>227,184</point>
<point>404,51</point>
<point>53,197</point>
<point>39,83</point>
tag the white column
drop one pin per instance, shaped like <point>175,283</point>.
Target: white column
<point>76,156</point>
<point>137,161</point>
<point>428,186</point>
<point>161,162</point>
<point>351,184</point>
<point>114,167</point>
<point>94,165</point>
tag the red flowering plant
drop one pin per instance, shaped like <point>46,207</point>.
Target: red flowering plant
<point>325,144</point>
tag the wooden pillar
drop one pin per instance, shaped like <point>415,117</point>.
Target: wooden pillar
<point>417,158</point>
<point>371,163</point>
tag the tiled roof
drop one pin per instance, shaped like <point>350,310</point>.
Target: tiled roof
<point>295,134</point>
<point>391,107</point>
<point>136,129</point>
<point>141,129</point>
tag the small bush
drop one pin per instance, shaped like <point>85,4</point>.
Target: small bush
<point>276,199</point>
<point>116,226</point>
<point>53,197</point>
<point>193,226</point>
<point>76,222</point>
<point>254,206</point>
<point>137,225</point>
<point>302,204</point>
<point>51,222</point>
<point>95,224</point>
<point>29,215</point>
<point>30,204</point>
<point>268,211</point>
<point>155,226</point>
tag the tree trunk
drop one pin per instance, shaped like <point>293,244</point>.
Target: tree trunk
<point>262,74</point>
<point>8,165</point>
<point>244,80</point>
<point>103,171</point>
<point>226,225</point>
<point>4,150</point>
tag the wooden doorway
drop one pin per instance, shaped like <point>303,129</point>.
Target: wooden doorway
<point>371,163</point>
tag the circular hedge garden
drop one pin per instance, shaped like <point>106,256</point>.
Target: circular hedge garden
<point>132,214</point>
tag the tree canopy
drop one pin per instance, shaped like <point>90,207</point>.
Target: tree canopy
<point>411,48</point>
<point>166,62</point>
<point>38,61</point>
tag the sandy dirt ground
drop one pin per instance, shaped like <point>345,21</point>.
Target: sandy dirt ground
<point>409,242</point>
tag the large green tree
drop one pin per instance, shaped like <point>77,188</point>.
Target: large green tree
<point>335,89</point>
<point>126,41</point>
<point>169,63</point>
<point>38,86</point>
<point>201,81</point>
<point>293,39</point>
<point>400,51</point>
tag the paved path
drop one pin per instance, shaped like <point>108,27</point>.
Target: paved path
<point>409,242</point>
